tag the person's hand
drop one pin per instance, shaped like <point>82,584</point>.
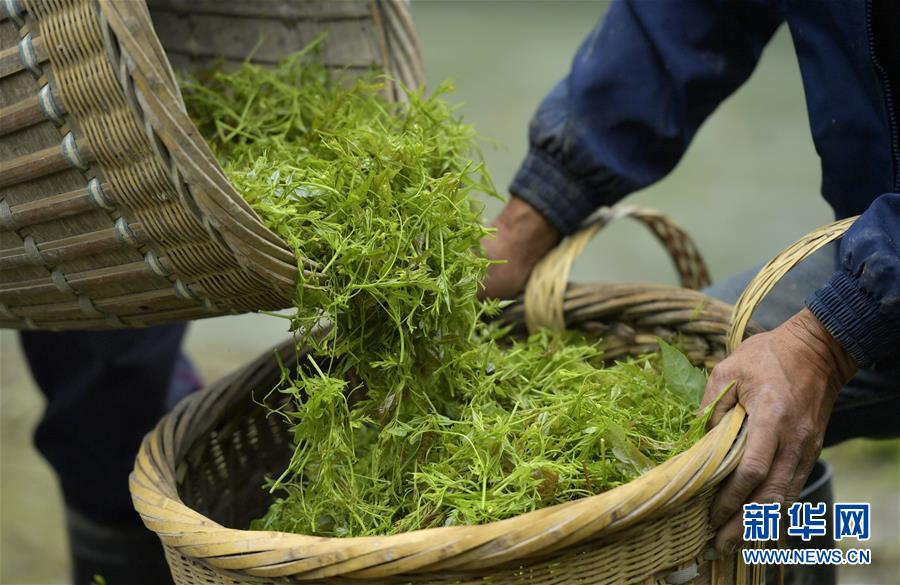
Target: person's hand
<point>787,380</point>
<point>522,238</point>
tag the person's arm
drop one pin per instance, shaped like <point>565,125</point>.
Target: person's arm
<point>788,379</point>
<point>638,89</point>
<point>595,140</point>
<point>860,304</point>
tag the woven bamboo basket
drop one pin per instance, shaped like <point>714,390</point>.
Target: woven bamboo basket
<point>113,210</point>
<point>197,476</point>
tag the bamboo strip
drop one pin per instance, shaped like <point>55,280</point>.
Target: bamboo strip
<point>20,115</point>
<point>45,162</point>
<point>11,61</point>
<point>49,209</point>
<point>62,250</point>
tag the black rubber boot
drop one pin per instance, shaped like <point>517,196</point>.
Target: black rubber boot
<point>818,489</point>
<point>120,555</point>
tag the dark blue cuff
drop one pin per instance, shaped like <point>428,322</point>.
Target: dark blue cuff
<point>564,201</point>
<point>855,319</point>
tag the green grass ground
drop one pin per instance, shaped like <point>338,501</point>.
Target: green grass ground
<point>748,187</point>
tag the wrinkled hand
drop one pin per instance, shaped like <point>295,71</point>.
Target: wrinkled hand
<point>522,238</point>
<point>787,380</point>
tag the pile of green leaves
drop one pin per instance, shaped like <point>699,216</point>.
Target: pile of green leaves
<point>417,411</point>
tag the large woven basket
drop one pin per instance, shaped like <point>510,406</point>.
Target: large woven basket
<point>197,476</point>
<point>113,211</point>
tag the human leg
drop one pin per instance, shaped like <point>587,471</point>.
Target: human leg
<point>104,391</point>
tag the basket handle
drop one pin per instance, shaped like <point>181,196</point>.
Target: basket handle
<point>769,275</point>
<point>546,286</point>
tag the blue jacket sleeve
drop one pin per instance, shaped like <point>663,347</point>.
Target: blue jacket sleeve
<point>639,88</point>
<point>860,304</point>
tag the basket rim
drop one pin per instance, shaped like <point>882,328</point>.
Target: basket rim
<point>144,71</point>
<point>127,209</point>
<point>527,537</point>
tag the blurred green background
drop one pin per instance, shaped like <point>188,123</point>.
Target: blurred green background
<point>747,187</point>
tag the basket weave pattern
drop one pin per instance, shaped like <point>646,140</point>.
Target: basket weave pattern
<point>650,548</point>
<point>113,211</point>
<point>199,473</point>
<point>195,474</point>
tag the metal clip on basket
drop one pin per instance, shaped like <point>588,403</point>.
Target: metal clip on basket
<point>197,477</point>
<point>113,210</point>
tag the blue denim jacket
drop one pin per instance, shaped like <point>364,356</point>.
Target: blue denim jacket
<point>648,76</point>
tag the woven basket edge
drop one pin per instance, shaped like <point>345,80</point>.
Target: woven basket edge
<point>727,435</point>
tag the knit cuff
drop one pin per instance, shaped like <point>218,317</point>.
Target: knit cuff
<point>544,183</point>
<point>854,319</point>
